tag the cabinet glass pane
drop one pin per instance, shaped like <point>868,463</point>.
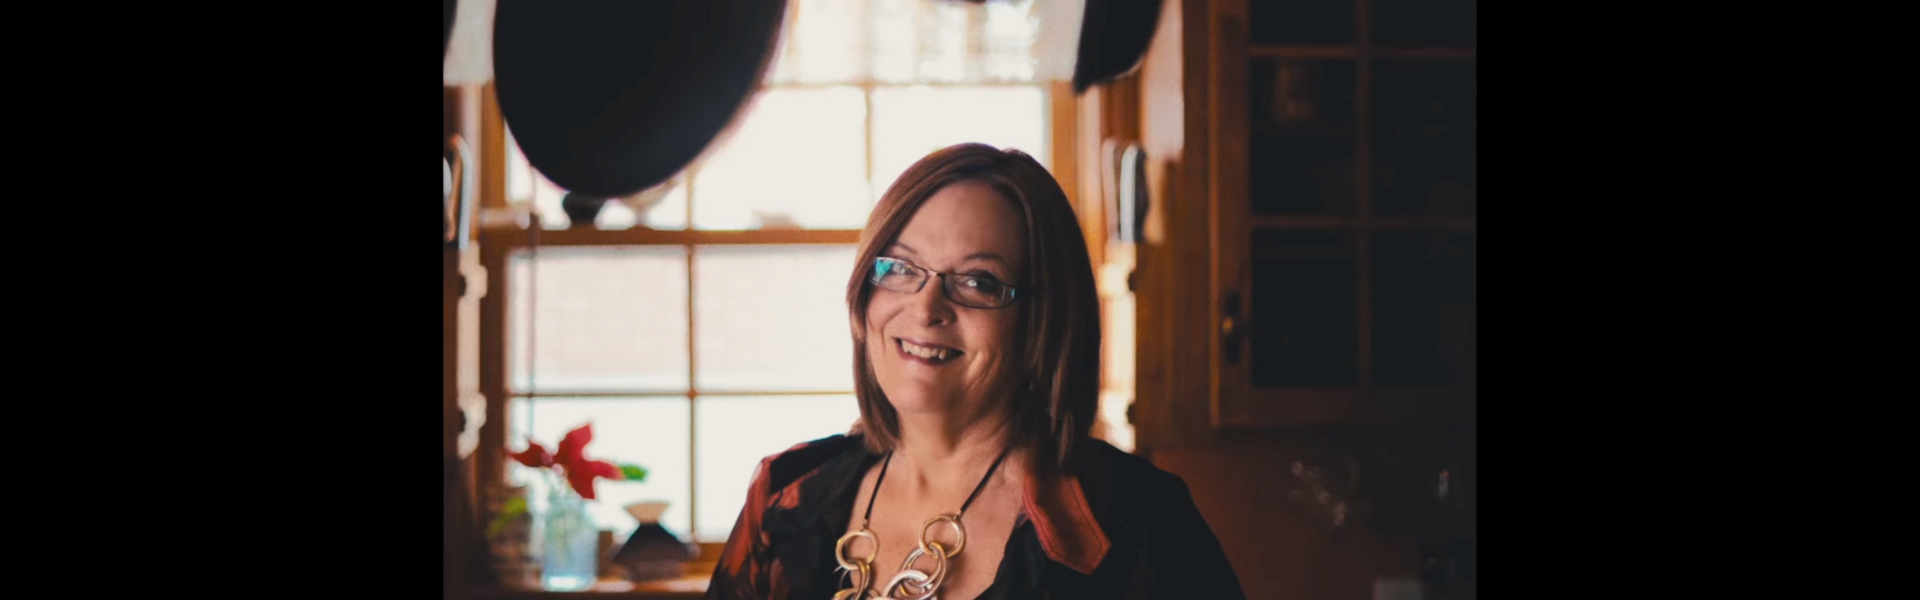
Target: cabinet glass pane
<point>1302,97</point>
<point>1302,177</point>
<point>1302,309</point>
<point>1425,148</point>
<point>1301,22</point>
<point>1423,307</point>
<point>1423,23</point>
<point>1301,153</point>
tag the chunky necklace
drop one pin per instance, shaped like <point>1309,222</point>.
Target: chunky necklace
<point>910,583</point>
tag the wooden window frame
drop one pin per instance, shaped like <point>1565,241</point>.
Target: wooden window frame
<point>508,235</point>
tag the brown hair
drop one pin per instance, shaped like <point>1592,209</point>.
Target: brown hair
<point>1057,372</point>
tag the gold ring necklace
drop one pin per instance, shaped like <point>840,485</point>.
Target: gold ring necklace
<point>910,583</point>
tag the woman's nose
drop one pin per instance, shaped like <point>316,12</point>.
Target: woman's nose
<point>932,303</point>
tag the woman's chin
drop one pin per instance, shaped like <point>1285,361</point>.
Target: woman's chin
<point>916,399</point>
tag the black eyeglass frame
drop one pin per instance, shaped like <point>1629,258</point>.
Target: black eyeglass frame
<point>947,282</point>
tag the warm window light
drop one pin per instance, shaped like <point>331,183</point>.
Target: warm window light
<point>696,361</point>
<point>469,59</point>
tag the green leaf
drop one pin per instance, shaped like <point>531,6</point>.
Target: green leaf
<point>633,472</point>
<point>514,507</point>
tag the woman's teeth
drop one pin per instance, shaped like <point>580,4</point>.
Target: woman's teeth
<point>925,352</point>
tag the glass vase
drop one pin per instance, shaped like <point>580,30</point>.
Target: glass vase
<point>570,559</point>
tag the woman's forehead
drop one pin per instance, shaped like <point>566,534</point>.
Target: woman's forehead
<point>965,221</point>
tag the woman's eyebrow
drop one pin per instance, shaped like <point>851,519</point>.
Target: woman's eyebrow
<point>989,256</point>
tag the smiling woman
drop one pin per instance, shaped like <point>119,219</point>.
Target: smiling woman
<point>702,331</point>
<point>977,394</point>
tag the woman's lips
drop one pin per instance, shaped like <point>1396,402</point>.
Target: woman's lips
<point>925,352</point>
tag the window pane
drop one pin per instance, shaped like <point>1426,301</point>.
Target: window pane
<point>650,432</point>
<point>955,42</point>
<point>911,122</point>
<point>609,319</point>
<point>1010,39</point>
<point>896,40</point>
<point>798,158</point>
<point>735,433</point>
<point>773,318</point>
<point>911,41</point>
<point>826,42</point>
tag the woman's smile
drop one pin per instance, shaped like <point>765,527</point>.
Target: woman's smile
<point>926,353</point>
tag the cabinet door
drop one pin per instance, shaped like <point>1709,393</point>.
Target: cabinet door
<point>1342,195</point>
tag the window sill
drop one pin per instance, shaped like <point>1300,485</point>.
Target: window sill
<point>689,586</point>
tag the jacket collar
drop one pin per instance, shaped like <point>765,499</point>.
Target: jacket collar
<point>1056,504</point>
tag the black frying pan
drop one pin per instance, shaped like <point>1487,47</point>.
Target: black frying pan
<point>611,97</point>
<point>1114,35</point>
<point>446,39</point>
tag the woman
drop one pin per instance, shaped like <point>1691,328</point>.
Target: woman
<point>971,473</point>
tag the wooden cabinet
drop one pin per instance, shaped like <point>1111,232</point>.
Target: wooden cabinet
<point>1305,292</point>
<point>1310,254</point>
<point>1341,197</point>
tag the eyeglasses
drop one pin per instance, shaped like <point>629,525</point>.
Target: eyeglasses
<point>966,290</point>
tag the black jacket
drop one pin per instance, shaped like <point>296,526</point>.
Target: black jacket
<point>1114,526</point>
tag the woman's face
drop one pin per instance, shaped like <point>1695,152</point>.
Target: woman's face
<point>930,354</point>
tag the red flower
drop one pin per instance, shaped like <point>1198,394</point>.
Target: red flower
<point>581,471</point>
<point>534,456</point>
<point>571,458</point>
<point>572,446</point>
<point>582,474</point>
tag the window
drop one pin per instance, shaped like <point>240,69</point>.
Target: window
<point>710,330</point>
